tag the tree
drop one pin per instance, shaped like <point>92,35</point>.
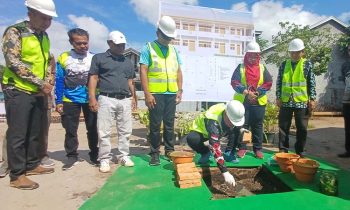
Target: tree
<point>344,41</point>
<point>318,45</point>
<point>263,43</point>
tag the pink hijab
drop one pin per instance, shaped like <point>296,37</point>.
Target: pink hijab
<point>252,72</point>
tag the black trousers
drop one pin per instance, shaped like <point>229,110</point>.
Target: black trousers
<point>254,118</point>
<point>24,118</point>
<point>70,122</point>
<point>346,114</point>
<point>164,111</point>
<point>44,132</point>
<point>196,141</point>
<point>301,117</point>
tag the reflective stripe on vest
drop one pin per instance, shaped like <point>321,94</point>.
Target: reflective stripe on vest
<point>162,74</point>
<point>262,100</point>
<point>34,54</point>
<point>213,113</point>
<point>294,82</point>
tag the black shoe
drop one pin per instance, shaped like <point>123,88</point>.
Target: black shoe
<point>71,162</point>
<point>344,155</point>
<point>154,159</point>
<point>94,161</point>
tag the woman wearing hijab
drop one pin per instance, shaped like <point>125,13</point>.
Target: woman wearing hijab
<point>251,81</point>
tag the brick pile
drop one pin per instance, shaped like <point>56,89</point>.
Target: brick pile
<point>187,175</point>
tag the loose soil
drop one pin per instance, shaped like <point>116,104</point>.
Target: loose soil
<point>249,181</point>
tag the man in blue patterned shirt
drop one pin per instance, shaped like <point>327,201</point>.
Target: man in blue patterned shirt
<point>295,94</point>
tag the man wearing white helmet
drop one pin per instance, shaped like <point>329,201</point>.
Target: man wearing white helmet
<point>161,79</point>
<point>295,94</point>
<point>211,126</point>
<point>25,88</point>
<point>114,74</point>
<point>251,81</point>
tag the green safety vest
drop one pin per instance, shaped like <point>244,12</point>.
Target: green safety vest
<point>34,54</point>
<point>294,83</point>
<point>262,100</point>
<point>162,74</point>
<point>213,113</point>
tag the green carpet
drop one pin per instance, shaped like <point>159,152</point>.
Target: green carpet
<point>145,187</point>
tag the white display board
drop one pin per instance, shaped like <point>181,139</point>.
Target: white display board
<point>207,78</point>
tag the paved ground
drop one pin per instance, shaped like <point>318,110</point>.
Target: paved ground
<point>69,189</point>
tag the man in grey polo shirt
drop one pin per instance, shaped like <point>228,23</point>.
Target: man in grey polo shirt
<point>114,75</point>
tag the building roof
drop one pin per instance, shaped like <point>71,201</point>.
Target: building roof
<point>325,21</point>
<point>206,13</point>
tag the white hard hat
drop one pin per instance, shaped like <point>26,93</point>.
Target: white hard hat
<point>117,37</point>
<point>235,112</point>
<point>296,45</point>
<point>167,25</point>
<point>46,7</point>
<point>253,47</point>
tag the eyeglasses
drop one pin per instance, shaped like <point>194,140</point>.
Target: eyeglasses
<point>165,37</point>
<point>81,43</point>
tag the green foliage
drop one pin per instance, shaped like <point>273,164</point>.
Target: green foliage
<point>271,118</point>
<point>344,42</point>
<point>318,45</point>
<point>263,43</point>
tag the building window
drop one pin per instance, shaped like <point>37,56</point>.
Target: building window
<point>219,29</point>
<point>204,44</point>
<point>177,25</point>
<point>192,27</point>
<point>238,32</point>
<point>185,42</point>
<point>175,42</point>
<point>206,28</point>
<point>248,32</point>
<point>185,26</point>
<point>233,31</point>
<point>216,45</point>
<point>232,46</point>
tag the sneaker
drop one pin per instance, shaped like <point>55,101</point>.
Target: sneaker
<point>154,161</point>
<point>205,158</point>
<point>47,162</point>
<point>126,161</point>
<point>104,166</point>
<point>241,153</point>
<point>3,170</point>
<point>259,154</point>
<point>344,155</point>
<point>23,183</point>
<point>230,156</point>
<point>40,170</point>
<point>71,162</point>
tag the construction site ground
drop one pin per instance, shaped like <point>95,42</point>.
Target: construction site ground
<point>73,188</point>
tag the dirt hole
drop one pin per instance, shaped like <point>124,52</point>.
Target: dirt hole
<point>249,181</point>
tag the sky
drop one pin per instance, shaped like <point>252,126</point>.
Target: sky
<point>137,19</point>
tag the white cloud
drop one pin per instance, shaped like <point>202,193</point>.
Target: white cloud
<point>59,38</point>
<point>267,14</point>
<point>98,32</point>
<point>149,9</point>
<point>241,6</point>
<point>345,17</point>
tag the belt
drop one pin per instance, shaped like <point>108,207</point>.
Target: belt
<point>115,95</point>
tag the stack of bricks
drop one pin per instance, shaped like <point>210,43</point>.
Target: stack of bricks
<point>187,175</point>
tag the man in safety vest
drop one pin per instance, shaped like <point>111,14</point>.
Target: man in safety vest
<point>27,78</point>
<point>218,121</point>
<point>295,94</point>
<point>251,81</point>
<point>161,79</point>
